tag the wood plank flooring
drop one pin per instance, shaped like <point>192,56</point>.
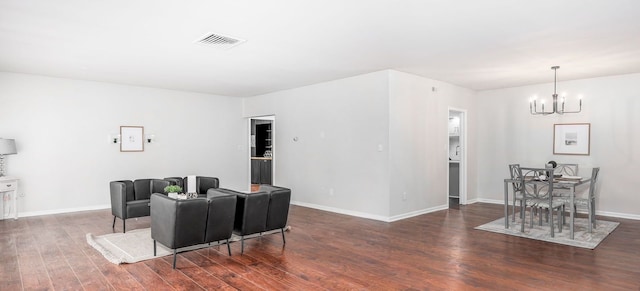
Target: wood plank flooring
<point>324,251</point>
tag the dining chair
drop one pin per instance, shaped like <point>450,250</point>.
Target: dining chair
<point>540,195</point>
<point>567,169</point>
<point>564,170</point>
<point>588,202</point>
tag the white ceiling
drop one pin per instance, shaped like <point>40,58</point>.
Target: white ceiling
<point>475,44</point>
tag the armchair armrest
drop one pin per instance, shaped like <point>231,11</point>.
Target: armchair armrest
<point>118,193</point>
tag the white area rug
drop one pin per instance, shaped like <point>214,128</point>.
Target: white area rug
<point>137,245</point>
<point>582,237</point>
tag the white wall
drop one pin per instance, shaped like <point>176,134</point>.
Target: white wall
<point>509,134</point>
<point>418,141</point>
<point>65,160</point>
<point>339,125</point>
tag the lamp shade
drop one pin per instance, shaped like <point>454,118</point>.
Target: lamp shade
<point>8,147</point>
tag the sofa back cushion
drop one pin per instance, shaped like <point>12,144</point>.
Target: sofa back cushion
<point>203,184</point>
<point>157,185</point>
<point>251,212</point>
<point>278,212</point>
<point>142,189</point>
<point>222,209</point>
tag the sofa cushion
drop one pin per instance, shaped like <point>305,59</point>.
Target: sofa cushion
<point>251,213</point>
<point>142,189</point>
<point>138,208</point>
<point>279,199</point>
<point>205,183</point>
<point>222,208</point>
<point>158,185</point>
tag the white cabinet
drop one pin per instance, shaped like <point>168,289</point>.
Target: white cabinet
<point>9,186</point>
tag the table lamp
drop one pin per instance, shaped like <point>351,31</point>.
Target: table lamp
<point>7,147</point>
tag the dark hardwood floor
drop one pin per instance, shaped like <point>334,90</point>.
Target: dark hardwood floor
<point>328,251</point>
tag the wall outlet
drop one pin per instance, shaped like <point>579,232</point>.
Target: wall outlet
<point>404,196</point>
<point>331,192</point>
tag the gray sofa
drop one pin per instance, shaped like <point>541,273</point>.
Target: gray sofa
<point>181,223</point>
<point>130,199</point>
<point>265,210</point>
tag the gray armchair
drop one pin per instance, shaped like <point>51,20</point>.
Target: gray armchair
<point>131,199</point>
<point>179,223</point>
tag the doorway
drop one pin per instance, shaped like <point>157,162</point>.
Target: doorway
<point>457,158</point>
<point>262,153</point>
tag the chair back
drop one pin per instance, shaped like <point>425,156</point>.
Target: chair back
<point>251,213</point>
<point>279,201</point>
<point>157,186</point>
<point>594,179</point>
<point>538,182</point>
<point>516,174</point>
<point>142,189</point>
<point>221,215</point>
<point>567,169</point>
<point>203,184</point>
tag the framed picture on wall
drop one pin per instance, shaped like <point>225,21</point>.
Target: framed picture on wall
<point>131,138</point>
<point>572,139</point>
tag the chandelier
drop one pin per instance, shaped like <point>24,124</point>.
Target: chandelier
<point>533,106</point>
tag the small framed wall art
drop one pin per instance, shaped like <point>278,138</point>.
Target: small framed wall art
<point>131,138</point>
<point>572,139</point>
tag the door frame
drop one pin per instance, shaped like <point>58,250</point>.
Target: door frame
<point>272,118</point>
<point>463,159</point>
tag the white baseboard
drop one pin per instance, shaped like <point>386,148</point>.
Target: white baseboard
<point>416,213</point>
<point>603,213</point>
<point>369,215</point>
<point>471,201</point>
<point>618,215</point>
<point>66,210</point>
<point>334,210</point>
<point>342,211</point>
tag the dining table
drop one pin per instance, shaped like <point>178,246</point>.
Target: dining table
<point>560,182</point>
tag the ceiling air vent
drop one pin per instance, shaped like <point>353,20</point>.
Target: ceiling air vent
<point>220,40</point>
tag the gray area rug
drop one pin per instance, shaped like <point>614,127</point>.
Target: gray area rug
<point>582,237</point>
<point>137,245</point>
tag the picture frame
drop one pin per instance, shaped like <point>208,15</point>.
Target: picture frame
<point>572,139</point>
<point>131,138</point>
